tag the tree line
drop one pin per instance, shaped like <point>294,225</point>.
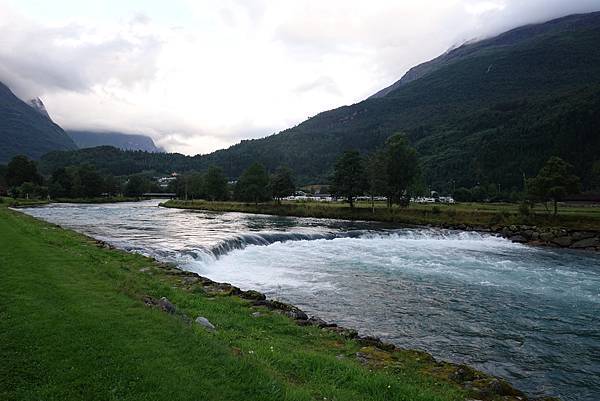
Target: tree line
<point>392,171</point>
<point>254,185</point>
<point>21,179</point>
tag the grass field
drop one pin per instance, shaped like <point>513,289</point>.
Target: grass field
<point>471,214</point>
<point>73,327</point>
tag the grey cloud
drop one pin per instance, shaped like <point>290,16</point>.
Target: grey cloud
<point>324,83</point>
<point>35,60</point>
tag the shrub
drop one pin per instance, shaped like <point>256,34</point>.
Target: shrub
<point>525,209</point>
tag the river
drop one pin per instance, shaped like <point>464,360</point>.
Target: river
<point>530,315</point>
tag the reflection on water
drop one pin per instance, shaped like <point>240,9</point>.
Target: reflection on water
<point>527,314</point>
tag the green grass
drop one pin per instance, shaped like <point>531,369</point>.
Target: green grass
<point>482,215</point>
<point>73,327</point>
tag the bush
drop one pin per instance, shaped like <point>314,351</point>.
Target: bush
<point>525,209</point>
<point>499,218</point>
<point>451,213</point>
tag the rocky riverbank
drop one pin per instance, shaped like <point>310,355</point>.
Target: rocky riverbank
<point>374,353</point>
<point>555,237</point>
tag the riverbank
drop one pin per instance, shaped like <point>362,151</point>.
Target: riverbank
<point>575,228</point>
<point>82,320</point>
<point>40,202</point>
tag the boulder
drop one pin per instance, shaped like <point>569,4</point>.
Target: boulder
<point>204,322</point>
<point>563,241</point>
<point>166,305</point>
<point>256,314</point>
<point>254,295</point>
<point>579,235</point>
<point>547,236</point>
<point>586,243</point>
<point>296,314</point>
<point>518,238</point>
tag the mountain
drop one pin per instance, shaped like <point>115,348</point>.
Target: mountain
<point>487,112</point>
<point>26,130</point>
<point>90,139</point>
<point>38,106</point>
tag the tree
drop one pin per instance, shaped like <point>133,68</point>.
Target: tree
<point>61,183</point>
<point>553,182</point>
<point>136,186</point>
<point>20,170</point>
<point>3,184</point>
<point>349,176</point>
<point>195,185</point>
<point>111,185</point>
<point>402,167</point>
<point>462,194</point>
<point>377,179</point>
<point>595,176</point>
<point>215,184</point>
<point>253,184</point>
<point>92,183</point>
<point>282,183</point>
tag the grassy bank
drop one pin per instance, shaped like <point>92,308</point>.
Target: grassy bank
<point>73,326</point>
<point>12,202</point>
<point>470,214</point>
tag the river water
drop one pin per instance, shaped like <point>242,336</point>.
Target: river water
<point>530,315</point>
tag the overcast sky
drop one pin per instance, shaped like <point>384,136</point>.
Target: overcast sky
<point>201,75</point>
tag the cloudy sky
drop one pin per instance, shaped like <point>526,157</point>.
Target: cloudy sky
<point>201,75</point>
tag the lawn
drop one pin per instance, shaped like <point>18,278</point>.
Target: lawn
<point>73,327</point>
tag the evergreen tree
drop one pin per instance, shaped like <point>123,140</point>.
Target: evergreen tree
<point>215,184</point>
<point>377,178</point>
<point>253,184</point>
<point>92,183</point>
<point>61,183</point>
<point>20,170</point>
<point>402,168</point>
<point>136,186</point>
<point>349,176</point>
<point>553,182</point>
<point>282,183</point>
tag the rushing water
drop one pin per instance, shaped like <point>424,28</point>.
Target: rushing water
<point>527,314</point>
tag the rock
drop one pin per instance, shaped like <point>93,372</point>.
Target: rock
<point>579,235</point>
<point>586,243</point>
<point>518,238</point>
<point>255,295</point>
<point>563,241</point>
<point>317,321</point>
<point>191,280</point>
<point>535,236</point>
<point>344,332</point>
<point>527,234</point>
<point>256,314</point>
<point>547,236</point>
<point>166,305</point>
<point>144,270</point>
<point>376,342</point>
<point>462,374</point>
<point>202,321</point>
<point>296,315</point>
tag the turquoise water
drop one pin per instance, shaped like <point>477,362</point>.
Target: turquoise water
<point>530,315</point>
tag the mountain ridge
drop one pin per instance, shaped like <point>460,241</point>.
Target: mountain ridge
<point>89,139</point>
<point>26,130</point>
